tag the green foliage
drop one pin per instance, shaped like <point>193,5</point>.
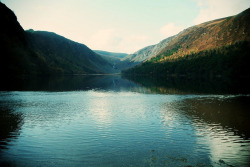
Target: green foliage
<point>228,61</point>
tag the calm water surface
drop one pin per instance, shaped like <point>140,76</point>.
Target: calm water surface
<point>110,121</point>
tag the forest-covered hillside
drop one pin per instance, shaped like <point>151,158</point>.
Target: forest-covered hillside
<point>227,61</point>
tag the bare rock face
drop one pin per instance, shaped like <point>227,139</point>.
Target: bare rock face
<point>143,54</point>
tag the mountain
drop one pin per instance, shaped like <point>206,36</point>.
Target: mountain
<point>211,34</point>
<point>215,48</point>
<point>112,58</point>
<point>66,56</point>
<point>16,57</point>
<point>43,53</point>
<point>143,54</point>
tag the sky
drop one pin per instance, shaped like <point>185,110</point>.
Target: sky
<point>123,26</point>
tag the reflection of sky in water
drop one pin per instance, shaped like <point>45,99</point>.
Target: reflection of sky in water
<point>218,133</point>
<point>224,146</point>
<point>98,128</point>
<point>180,135</point>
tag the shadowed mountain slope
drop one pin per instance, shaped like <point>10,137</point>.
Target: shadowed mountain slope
<point>16,57</point>
<point>65,55</point>
<point>43,53</point>
<point>113,58</point>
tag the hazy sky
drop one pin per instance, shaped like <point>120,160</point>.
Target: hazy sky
<point>120,25</point>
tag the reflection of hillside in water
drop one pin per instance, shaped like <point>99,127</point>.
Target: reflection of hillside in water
<point>182,85</point>
<point>135,84</point>
<point>69,83</point>
<point>221,123</point>
<point>10,124</point>
<point>231,113</point>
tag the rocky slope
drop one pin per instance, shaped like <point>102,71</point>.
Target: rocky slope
<point>143,54</point>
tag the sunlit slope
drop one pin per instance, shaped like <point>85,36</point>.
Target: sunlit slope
<point>218,47</point>
<point>143,54</point>
<point>211,35</point>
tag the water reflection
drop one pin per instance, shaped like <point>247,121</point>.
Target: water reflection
<point>100,108</point>
<point>230,112</point>
<point>10,125</point>
<point>111,121</point>
<point>182,85</point>
<point>68,83</point>
<point>147,85</point>
<point>221,123</point>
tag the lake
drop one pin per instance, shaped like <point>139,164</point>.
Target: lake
<point>114,121</point>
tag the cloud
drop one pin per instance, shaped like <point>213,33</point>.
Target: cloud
<point>104,38</point>
<point>116,41</point>
<point>133,42</point>
<point>170,29</point>
<point>214,9</point>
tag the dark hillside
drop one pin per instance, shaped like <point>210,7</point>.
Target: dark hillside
<point>66,56</point>
<point>16,57</point>
<point>43,53</point>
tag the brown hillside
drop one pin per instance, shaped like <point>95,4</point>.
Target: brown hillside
<point>210,35</point>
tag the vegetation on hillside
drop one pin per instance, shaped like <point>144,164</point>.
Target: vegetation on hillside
<point>66,56</point>
<point>210,35</point>
<point>227,61</point>
<point>214,48</point>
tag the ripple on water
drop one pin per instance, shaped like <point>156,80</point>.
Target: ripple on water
<point>98,128</point>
